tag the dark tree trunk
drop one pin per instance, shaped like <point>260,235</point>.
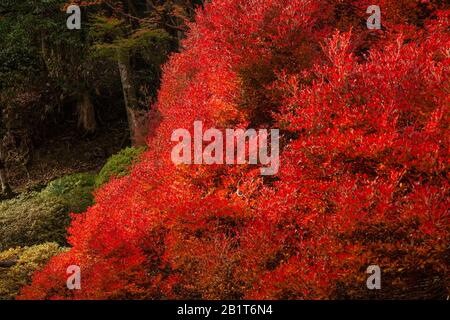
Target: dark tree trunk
<point>137,119</point>
<point>6,189</point>
<point>86,113</point>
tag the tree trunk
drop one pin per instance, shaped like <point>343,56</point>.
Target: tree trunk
<point>86,113</point>
<point>137,119</point>
<point>6,189</point>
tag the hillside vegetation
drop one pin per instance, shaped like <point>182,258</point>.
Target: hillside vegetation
<point>364,122</point>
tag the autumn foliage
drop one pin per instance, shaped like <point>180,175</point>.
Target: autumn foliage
<point>364,117</point>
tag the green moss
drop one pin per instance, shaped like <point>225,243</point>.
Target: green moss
<point>118,165</point>
<point>27,260</point>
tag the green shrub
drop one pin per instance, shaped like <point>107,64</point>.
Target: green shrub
<point>118,165</point>
<point>34,218</point>
<point>27,260</point>
<point>75,191</point>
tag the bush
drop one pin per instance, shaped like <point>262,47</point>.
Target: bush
<point>26,260</point>
<point>75,191</point>
<point>34,218</point>
<point>118,165</point>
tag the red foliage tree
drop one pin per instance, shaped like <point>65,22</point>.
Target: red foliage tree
<point>364,164</point>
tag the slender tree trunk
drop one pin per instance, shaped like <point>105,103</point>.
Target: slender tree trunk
<point>6,189</point>
<point>86,113</point>
<point>137,119</point>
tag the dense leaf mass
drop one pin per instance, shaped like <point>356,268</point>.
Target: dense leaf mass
<point>364,117</point>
